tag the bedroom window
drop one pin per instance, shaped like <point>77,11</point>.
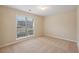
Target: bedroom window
<point>24,26</point>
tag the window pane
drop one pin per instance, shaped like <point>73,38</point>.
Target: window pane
<point>21,26</point>
<point>30,25</point>
<point>24,26</point>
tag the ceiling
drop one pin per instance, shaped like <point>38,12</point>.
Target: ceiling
<point>44,10</point>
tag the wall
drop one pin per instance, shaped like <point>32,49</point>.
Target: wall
<point>62,25</point>
<point>78,26</point>
<point>39,26</point>
<point>8,24</point>
<point>0,26</point>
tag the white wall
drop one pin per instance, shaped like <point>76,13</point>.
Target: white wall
<point>61,26</point>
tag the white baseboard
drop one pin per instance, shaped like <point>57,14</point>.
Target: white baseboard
<point>55,36</point>
<point>10,43</point>
<point>17,41</point>
<point>7,44</point>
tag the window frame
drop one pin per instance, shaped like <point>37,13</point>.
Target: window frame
<point>18,38</point>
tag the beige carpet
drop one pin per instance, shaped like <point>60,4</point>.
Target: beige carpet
<point>42,45</point>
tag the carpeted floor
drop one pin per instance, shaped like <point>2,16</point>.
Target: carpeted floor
<point>42,45</point>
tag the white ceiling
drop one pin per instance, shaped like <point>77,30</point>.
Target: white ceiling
<point>50,9</point>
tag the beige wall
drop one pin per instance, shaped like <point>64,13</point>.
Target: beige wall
<point>8,24</point>
<point>61,26</point>
<point>0,26</point>
<point>39,26</point>
<point>78,26</point>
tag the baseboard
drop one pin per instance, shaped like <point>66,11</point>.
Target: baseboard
<point>17,41</point>
<point>7,44</point>
<point>55,36</point>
